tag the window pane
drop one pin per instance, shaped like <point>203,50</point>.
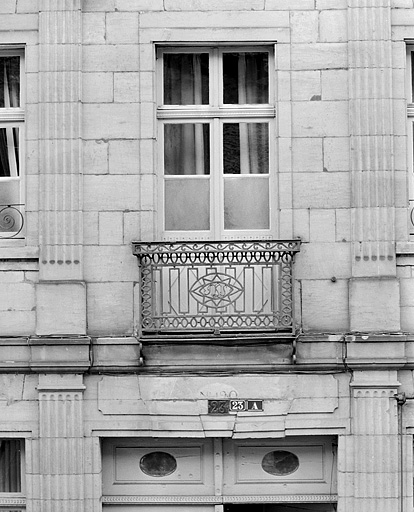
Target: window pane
<point>186,78</point>
<point>246,148</point>
<point>9,82</point>
<point>246,203</point>
<point>187,204</point>
<point>187,148</point>
<point>246,78</point>
<point>10,466</point>
<point>9,152</point>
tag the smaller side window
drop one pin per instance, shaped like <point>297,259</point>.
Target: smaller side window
<point>10,466</point>
<point>410,132</point>
<point>12,116</point>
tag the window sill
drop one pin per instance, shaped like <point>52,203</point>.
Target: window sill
<point>405,248</point>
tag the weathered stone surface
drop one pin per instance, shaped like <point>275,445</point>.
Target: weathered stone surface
<point>61,308</point>
<point>374,305</point>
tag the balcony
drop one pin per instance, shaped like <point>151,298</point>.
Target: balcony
<point>11,221</point>
<point>216,288</point>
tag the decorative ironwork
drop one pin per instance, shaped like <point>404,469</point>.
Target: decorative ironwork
<point>11,220</point>
<point>411,210</point>
<point>216,286</point>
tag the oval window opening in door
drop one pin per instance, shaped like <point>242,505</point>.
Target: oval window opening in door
<point>158,464</point>
<point>280,463</point>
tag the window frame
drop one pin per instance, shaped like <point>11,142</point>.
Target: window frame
<point>410,133</point>
<point>15,117</point>
<point>216,113</point>
<point>10,500</point>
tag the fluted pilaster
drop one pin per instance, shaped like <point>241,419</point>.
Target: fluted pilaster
<point>369,478</point>
<point>60,219</point>
<point>61,447</point>
<point>371,130</point>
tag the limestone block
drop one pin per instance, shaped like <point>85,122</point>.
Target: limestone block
<point>333,26</point>
<point>123,121</point>
<point>285,154</point>
<point>90,228</point>
<point>282,57</point>
<point>336,153</point>
<point>212,5</point>
<point>17,323</point>
<point>109,192</point>
<point>306,85</point>
<point>407,292</point>
<point>322,190</point>
<point>285,191</point>
<point>323,261</point>
<point>24,6</point>
<point>98,5</point>
<point>148,220</point>
<point>319,56</point>
<point>93,28</point>
<point>147,86</point>
<point>139,5</point>
<point>222,19</point>
<point>147,149</point>
<point>126,87</point>
<point>374,304</point>
<point>95,156</point>
<point>335,84</point>
<point>325,305</point>
<point>122,28</point>
<point>13,22</point>
<point>110,308</point>
<point>114,57</point>
<point>407,318</point>
<point>110,264</point>
<point>61,308</point>
<point>301,223</point>
<point>32,88</point>
<point>284,86</point>
<point>148,125</point>
<point>123,156</point>
<point>343,225</point>
<point>304,26</point>
<point>110,228</point>
<point>281,5</point>
<point>97,87</point>
<point>322,225</point>
<point>284,118</point>
<point>331,4</point>
<point>307,154</point>
<point>320,119</point>
<point>17,297</point>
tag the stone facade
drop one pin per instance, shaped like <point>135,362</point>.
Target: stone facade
<point>81,384</point>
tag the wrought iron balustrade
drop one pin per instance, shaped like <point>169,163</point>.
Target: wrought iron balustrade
<point>216,287</point>
<point>11,221</point>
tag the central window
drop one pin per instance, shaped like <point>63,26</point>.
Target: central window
<point>216,133</point>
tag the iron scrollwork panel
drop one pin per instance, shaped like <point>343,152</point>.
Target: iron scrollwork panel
<point>216,286</point>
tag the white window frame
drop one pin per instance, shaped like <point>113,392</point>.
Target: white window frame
<point>216,113</point>
<point>410,134</point>
<point>15,118</point>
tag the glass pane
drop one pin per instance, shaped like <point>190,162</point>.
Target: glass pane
<point>246,203</point>
<point>246,148</point>
<point>187,204</point>
<point>187,148</point>
<point>246,78</point>
<point>9,152</point>
<point>186,78</point>
<point>10,466</point>
<point>9,82</point>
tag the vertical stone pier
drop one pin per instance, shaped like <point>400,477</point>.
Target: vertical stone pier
<point>60,185</point>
